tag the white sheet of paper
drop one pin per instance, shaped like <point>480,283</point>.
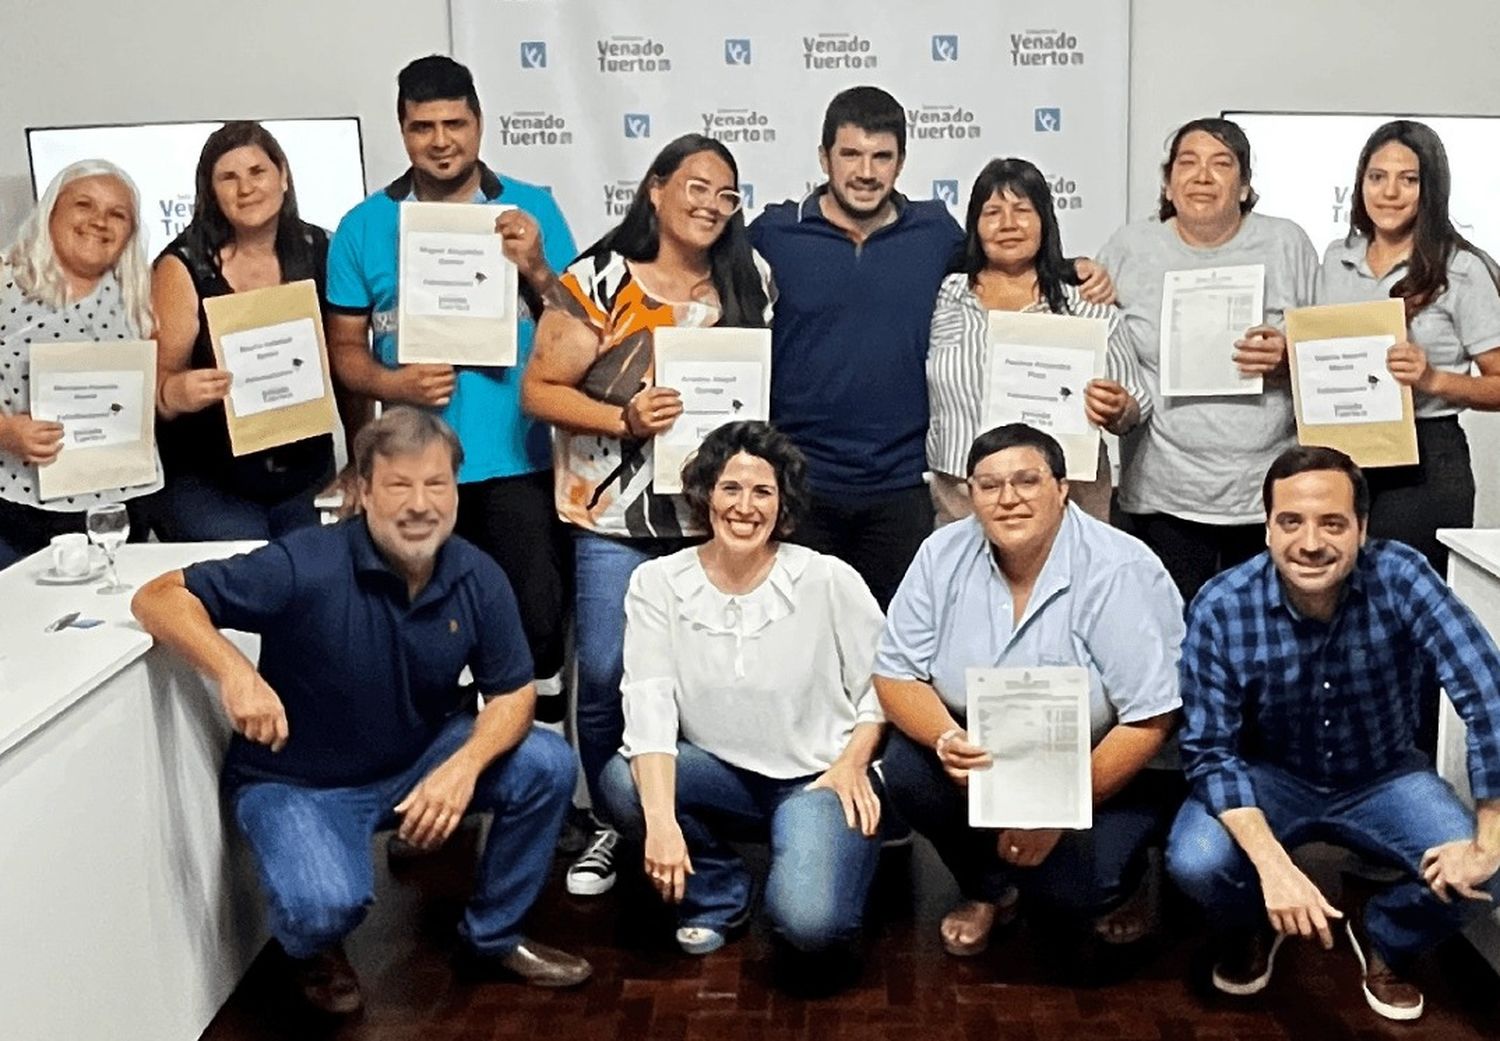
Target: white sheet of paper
<point>454,275</point>
<point>96,409</point>
<point>273,367</point>
<point>1035,725</point>
<point>1203,312</point>
<point>1040,386</point>
<point>713,393</point>
<point>1345,380</point>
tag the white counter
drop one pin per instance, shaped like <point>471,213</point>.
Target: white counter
<point>126,910</point>
<point>1474,574</point>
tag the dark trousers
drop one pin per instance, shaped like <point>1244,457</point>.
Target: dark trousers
<point>1087,874</point>
<point>195,508</point>
<point>878,536</point>
<point>26,529</point>
<point>1194,552</point>
<point>514,520</point>
<point>1410,503</point>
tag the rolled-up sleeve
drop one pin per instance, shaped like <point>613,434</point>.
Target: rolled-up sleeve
<point>909,640</point>
<point>1213,713</point>
<point>649,688</point>
<point>857,624</point>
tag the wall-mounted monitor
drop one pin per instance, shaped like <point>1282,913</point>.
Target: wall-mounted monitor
<point>324,155</point>
<point>1303,168</point>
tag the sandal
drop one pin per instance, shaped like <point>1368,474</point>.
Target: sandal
<point>1139,916</point>
<point>1001,912</point>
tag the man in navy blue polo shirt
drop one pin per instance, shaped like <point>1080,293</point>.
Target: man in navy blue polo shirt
<point>506,505</point>
<point>355,721</point>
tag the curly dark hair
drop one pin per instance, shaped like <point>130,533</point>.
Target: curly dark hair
<point>753,437</point>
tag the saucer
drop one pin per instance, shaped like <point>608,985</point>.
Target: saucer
<point>48,577</point>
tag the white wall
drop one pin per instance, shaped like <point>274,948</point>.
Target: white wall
<point>78,61</point>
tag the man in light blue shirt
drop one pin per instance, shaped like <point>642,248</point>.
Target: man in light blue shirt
<point>1030,580</point>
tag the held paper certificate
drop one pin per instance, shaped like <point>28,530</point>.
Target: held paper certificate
<point>1343,392</point>
<point>104,396</point>
<point>1203,313</point>
<point>1035,725</point>
<point>1036,371</point>
<point>457,291</point>
<point>270,341</point>
<point>723,375</point>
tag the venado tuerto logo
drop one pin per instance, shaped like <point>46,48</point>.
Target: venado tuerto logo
<point>1038,48</point>
<point>945,48</point>
<point>1047,121</point>
<point>946,192</point>
<point>633,54</point>
<point>617,196</point>
<point>838,51</point>
<point>942,123</point>
<point>174,214</point>
<point>535,128</point>
<point>533,54</point>
<point>737,52</point>
<point>1065,193</point>
<point>738,126</point>
<point>637,125</point>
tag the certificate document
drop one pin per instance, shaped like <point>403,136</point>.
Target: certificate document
<point>722,374</point>
<point>1203,313</point>
<point>1345,380</point>
<point>456,290</point>
<point>271,343</point>
<point>1035,725</point>
<point>104,396</point>
<point>1036,371</point>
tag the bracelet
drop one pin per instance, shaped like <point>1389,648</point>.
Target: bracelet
<point>944,738</point>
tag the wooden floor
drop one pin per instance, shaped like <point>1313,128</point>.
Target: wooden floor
<point>908,989</point>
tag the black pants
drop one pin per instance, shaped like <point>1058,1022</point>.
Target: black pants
<point>1194,552</point>
<point>513,519</point>
<point>1410,503</point>
<point>878,536</point>
<point>26,529</point>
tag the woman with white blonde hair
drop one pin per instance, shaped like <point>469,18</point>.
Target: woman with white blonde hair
<point>76,272</point>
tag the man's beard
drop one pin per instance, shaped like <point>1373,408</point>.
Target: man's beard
<point>854,211</point>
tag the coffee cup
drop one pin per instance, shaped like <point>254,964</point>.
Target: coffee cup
<point>70,555</point>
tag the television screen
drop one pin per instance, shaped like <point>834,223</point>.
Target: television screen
<point>324,155</point>
<point>1303,168</point>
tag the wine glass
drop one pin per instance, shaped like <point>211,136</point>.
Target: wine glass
<point>108,527</point>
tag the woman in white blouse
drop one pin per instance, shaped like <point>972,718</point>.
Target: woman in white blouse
<point>1012,260</point>
<point>749,709</point>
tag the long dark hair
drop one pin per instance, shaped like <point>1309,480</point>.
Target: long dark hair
<point>1434,238</point>
<point>742,294</point>
<point>210,231</point>
<point>1023,179</point>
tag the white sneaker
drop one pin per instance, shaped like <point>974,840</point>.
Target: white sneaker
<point>593,872</point>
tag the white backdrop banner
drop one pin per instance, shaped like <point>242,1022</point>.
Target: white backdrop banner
<point>580,95</point>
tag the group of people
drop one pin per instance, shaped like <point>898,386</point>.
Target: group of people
<point>780,651</point>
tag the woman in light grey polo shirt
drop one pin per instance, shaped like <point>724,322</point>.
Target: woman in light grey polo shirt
<point>1401,243</point>
<point>1190,477</point>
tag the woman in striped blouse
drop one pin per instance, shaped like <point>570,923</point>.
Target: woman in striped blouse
<point>1012,260</point>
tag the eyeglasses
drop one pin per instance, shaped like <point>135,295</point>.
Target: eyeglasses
<point>726,200</point>
<point>1027,484</point>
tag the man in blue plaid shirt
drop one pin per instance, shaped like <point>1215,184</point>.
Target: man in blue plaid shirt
<point>1301,674</point>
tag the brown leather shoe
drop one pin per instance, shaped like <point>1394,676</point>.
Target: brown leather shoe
<point>328,983</point>
<point>535,963</point>
<point>1247,960</point>
<point>1386,991</point>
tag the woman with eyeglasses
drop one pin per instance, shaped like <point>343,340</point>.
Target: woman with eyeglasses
<point>680,257</point>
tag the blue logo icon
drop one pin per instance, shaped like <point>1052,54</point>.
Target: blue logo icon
<point>1048,121</point>
<point>736,52</point>
<point>945,192</point>
<point>945,48</point>
<point>637,124</point>
<point>533,54</point>
<point>747,195</point>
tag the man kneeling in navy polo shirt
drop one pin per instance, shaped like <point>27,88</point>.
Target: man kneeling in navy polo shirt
<point>355,720</point>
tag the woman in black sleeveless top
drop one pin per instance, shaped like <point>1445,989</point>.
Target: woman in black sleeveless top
<point>245,234</point>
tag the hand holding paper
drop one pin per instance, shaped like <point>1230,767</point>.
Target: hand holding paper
<point>36,441</point>
<point>1408,364</point>
<point>1105,402</point>
<point>427,385</point>
<point>521,243</point>
<point>195,389</point>
<point>1261,352</point>
<point>652,411</point>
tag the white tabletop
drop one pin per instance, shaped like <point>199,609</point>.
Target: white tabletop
<point>43,673</point>
<point>1479,546</point>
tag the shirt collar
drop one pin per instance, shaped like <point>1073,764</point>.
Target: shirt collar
<point>702,603</point>
<point>490,186</point>
<point>368,560</point>
<point>1057,570</point>
<point>1355,585</point>
<point>1352,253</point>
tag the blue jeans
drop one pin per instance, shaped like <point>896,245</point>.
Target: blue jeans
<point>312,845</point>
<point>603,567</point>
<point>821,868</point>
<point>1087,874</point>
<point>1393,820</point>
<point>191,508</point>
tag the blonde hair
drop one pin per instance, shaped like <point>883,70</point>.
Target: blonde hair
<point>33,257</point>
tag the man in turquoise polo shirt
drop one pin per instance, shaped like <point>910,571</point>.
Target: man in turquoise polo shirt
<point>505,501</point>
